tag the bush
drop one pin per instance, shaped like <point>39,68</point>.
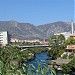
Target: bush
<point>71,56</point>
<point>70,67</point>
<point>65,56</point>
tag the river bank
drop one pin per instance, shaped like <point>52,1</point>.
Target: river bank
<point>41,58</point>
<point>31,53</point>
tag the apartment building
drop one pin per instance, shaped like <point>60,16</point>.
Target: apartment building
<point>3,38</point>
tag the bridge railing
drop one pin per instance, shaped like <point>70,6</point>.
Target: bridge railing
<point>33,46</point>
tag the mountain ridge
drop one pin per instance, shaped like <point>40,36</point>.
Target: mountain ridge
<point>30,31</point>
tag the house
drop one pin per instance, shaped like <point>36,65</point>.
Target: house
<point>70,48</point>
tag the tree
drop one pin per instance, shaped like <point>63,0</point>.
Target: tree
<point>57,42</point>
<point>61,39</point>
<point>70,41</point>
<point>10,54</point>
<point>70,67</point>
<point>57,39</point>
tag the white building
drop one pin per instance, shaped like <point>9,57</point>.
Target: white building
<point>3,38</point>
<point>12,40</point>
<point>66,34</point>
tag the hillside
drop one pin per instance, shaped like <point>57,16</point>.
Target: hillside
<point>56,27</point>
<point>30,31</point>
<point>21,30</point>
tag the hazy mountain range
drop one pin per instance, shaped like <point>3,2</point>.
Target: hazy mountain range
<point>30,31</point>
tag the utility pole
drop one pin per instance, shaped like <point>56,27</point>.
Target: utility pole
<point>72,27</point>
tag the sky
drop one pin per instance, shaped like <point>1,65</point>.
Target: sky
<point>37,12</point>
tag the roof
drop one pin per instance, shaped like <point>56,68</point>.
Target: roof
<point>70,47</point>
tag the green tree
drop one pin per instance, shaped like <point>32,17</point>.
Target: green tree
<point>70,67</point>
<point>57,42</point>
<point>61,39</point>
<point>70,41</point>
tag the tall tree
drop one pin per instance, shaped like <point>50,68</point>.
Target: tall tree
<point>57,42</point>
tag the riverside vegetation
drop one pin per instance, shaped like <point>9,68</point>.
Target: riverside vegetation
<point>12,59</point>
<point>12,62</point>
<point>59,45</point>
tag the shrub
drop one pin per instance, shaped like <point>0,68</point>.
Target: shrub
<point>71,56</point>
<point>65,56</point>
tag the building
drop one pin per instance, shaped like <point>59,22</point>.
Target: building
<point>12,40</point>
<point>70,48</point>
<point>3,38</point>
<point>73,35</point>
<point>32,41</point>
<point>66,34</point>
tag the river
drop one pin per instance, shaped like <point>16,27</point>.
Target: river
<point>41,58</point>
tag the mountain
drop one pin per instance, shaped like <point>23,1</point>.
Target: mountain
<point>21,30</point>
<point>30,31</point>
<point>56,27</point>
